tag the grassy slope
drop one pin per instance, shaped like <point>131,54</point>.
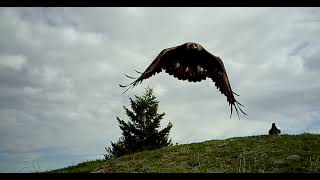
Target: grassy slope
<point>240,154</point>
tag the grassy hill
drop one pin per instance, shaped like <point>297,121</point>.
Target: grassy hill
<point>258,154</point>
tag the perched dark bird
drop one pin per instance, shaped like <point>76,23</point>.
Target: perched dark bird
<point>190,61</point>
<point>274,130</point>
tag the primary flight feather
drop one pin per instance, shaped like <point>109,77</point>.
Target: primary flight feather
<point>190,61</point>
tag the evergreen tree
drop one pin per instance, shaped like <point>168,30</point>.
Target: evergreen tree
<point>141,131</point>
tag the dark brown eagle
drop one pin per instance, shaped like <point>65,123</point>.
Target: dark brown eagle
<point>190,61</point>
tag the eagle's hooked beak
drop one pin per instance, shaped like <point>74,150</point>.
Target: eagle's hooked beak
<point>193,46</point>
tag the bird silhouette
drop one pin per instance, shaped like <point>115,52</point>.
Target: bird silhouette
<point>191,62</point>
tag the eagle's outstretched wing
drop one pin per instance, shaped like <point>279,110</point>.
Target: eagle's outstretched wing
<point>216,71</point>
<point>158,64</point>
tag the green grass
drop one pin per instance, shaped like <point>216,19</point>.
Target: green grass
<point>254,154</point>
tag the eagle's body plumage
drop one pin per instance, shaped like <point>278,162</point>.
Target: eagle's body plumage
<point>190,61</point>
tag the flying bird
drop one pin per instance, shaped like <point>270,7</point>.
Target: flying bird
<point>190,61</point>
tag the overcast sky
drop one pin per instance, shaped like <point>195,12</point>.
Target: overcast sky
<point>60,69</point>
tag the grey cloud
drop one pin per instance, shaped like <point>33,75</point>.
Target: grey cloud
<point>59,92</point>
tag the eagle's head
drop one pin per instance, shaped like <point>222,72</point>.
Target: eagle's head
<point>194,46</point>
